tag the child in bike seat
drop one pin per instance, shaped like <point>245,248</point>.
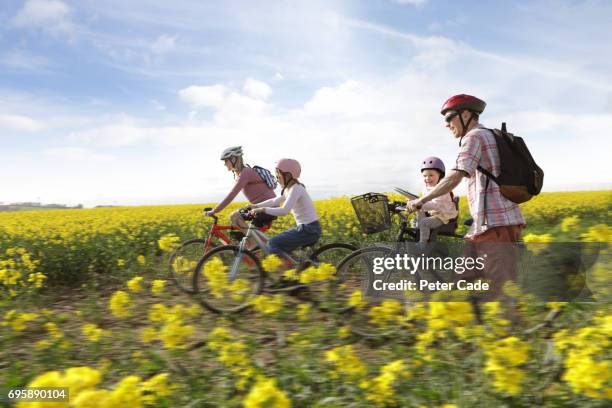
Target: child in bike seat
<point>295,199</point>
<point>438,211</point>
<point>250,183</point>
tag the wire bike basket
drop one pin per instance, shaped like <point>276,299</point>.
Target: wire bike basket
<point>372,211</point>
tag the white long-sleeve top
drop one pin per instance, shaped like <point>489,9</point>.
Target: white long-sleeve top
<point>441,207</point>
<point>295,200</point>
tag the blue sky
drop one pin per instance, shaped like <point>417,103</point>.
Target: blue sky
<point>131,102</point>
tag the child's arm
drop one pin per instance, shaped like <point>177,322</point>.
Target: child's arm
<point>290,202</point>
<point>272,202</point>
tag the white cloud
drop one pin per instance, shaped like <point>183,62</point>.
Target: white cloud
<point>415,3</point>
<point>204,96</point>
<point>78,154</point>
<point>257,89</point>
<point>25,61</point>
<point>163,44</point>
<point>53,15</point>
<point>354,137</point>
<point>20,123</point>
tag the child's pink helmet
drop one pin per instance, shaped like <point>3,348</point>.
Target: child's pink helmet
<point>433,163</point>
<point>290,166</point>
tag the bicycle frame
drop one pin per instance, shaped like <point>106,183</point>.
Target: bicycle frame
<point>261,239</point>
<point>217,232</point>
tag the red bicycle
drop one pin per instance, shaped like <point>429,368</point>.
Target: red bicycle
<point>185,258</point>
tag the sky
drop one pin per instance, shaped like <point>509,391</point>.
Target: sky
<point>132,102</point>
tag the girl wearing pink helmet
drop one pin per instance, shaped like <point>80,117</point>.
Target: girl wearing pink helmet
<point>440,210</point>
<point>295,199</point>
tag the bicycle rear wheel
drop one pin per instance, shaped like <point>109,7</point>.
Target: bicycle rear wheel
<point>217,290</point>
<point>183,262</point>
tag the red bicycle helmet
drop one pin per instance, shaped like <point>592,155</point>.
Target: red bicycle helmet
<point>463,102</point>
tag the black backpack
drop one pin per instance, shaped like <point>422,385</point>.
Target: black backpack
<point>266,176</point>
<point>520,178</point>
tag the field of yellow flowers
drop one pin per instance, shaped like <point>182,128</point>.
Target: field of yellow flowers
<point>86,305</point>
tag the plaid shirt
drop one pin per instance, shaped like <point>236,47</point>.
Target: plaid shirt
<point>479,148</point>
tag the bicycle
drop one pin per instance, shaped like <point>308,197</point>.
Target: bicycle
<point>228,277</point>
<point>184,259</point>
<point>355,272</point>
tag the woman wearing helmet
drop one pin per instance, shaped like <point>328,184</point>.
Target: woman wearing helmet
<point>440,210</point>
<point>295,199</point>
<point>250,183</point>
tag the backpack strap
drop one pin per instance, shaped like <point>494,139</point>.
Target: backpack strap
<point>489,176</point>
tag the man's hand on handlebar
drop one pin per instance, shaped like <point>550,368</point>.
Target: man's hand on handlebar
<point>209,213</point>
<point>414,205</point>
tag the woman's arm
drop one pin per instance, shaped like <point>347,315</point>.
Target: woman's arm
<point>240,183</point>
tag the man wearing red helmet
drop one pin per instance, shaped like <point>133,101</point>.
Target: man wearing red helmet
<point>496,219</point>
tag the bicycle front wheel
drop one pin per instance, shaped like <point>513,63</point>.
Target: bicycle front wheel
<point>183,262</point>
<point>365,311</point>
<point>226,280</point>
<point>322,290</point>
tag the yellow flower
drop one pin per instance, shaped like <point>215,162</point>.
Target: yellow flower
<point>265,394</point>
<point>389,312</point>
<point>134,284</point>
<point>92,332</point>
<point>19,321</point>
<point>91,398</point>
<point>148,334</point>
<point>268,304</point>
<point>569,223</point>
<point>344,332</point>
<point>157,312</point>
<point>157,286</point>
<point>141,260</point>
<point>503,360</point>
<point>169,242</point>
<point>128,392</point>
<point>321,273</point>
<point>290,274</point>
<point>53,330</point>
<point>36,279</point>
<point>271,263</point>
<point>303,311</point>
<point>356,300</point>
<point>380,390</point>
<point>119,304</point>
<point>345,362</point>
<point>158,385</point>
<point>598,233</point>
<point>173,334</point>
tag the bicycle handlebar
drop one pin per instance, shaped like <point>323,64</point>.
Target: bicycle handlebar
<point>244,213</point>
<point>213,216</point>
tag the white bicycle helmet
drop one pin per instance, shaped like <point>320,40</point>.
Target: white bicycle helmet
<point>234,151</point>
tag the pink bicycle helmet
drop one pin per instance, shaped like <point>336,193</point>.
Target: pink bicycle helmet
<point>433,163</point>
<point>290,166</point>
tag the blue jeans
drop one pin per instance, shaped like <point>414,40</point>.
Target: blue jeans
<point>287,241</point>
